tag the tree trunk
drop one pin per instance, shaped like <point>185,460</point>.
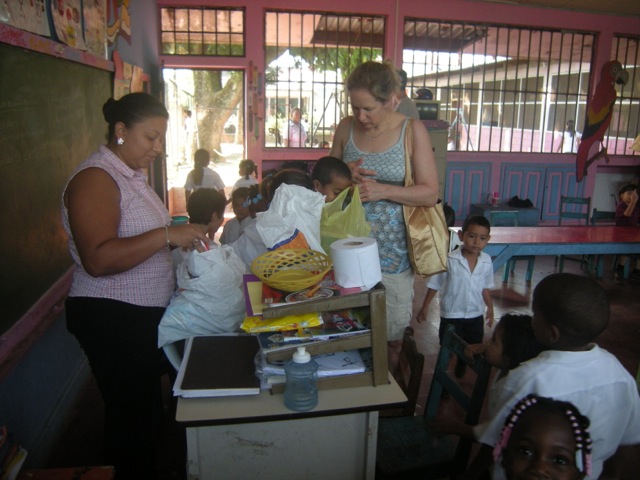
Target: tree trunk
<point>215,104</point>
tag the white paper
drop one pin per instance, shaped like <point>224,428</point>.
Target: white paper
<point>347,362</point>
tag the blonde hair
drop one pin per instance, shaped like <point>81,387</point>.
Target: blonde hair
<point>380,79</point>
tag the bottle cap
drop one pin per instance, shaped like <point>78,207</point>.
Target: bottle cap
<point>301,355</point>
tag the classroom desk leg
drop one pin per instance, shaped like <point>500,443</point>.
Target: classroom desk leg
<point>338,447</point>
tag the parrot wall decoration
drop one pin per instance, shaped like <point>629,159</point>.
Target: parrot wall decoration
<point>598,116</point>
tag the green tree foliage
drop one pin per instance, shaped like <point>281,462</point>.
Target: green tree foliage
<point>335,59</point>
<point>332,59</point>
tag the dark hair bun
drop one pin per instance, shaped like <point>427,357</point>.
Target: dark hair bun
<point>108,109</point>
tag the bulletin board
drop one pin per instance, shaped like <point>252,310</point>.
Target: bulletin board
<point>50,120</point>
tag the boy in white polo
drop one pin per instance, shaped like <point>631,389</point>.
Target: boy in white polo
<point>465,286</point>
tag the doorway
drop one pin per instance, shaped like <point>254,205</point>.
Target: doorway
<point>206,111</point>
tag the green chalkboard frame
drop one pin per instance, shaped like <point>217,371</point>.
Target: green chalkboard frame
<point>50,120</point>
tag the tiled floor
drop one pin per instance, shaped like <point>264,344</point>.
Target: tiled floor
<point>81,442</point>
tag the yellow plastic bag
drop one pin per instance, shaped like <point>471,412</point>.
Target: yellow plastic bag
<point>336,223</point>
<point>256,323</point>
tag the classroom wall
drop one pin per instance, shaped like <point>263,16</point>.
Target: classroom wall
<point>37,394</point>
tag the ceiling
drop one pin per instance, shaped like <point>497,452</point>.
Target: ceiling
<point>628,8</point>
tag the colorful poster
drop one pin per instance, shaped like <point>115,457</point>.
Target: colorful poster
<point>121,83</point>
<point>95,27</point>
<point>137,79</point>
<point>118,21</point>
<point>128,78</point>
<point>30,16</point>
<point>67,20</point>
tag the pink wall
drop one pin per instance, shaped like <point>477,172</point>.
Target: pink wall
<point>395,11</point>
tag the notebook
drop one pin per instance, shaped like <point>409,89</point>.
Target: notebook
<point>218,365</point>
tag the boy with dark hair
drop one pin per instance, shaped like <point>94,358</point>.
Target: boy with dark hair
<point>569,312</point>
<point>206,206</point>
<point>330,176</point>
<point>465,286</point>
<point>628,210</point>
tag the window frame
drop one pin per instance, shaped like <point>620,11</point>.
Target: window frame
<point>477,69</point>
<point>234,49</point>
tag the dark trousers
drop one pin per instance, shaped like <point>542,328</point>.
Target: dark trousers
<point>471,330</point>
<point>121,344</point>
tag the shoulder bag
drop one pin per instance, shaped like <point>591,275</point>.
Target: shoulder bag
<point>427,232</point>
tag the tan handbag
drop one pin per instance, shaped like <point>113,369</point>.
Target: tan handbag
<point>427,232</point>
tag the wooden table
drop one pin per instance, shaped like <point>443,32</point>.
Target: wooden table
<point>507,242</point>
<point>256,436</point>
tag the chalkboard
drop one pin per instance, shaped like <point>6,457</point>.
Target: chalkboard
<point>50,120</point>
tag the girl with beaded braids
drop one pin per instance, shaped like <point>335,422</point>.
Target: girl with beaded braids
<point>544,438</point>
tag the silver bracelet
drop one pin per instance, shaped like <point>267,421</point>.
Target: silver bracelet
<point>166,233</point>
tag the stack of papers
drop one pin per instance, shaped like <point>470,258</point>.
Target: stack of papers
<point>348,362</point>
<point>336,324</point>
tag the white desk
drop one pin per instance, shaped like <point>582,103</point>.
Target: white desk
<point>256,436</point>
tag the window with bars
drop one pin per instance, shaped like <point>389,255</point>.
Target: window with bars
<point>202,31</point>
<point>501,88</point>
<point>625,119</point>
<point>309,55</point>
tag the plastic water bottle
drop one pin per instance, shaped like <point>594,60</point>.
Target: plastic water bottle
<point>301,389</point>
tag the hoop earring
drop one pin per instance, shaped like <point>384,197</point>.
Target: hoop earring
<point>120,141</point>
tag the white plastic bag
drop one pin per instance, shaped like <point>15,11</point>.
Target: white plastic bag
<point>293,207</point>
<point>209,299</point>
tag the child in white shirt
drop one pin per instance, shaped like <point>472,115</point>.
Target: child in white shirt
<point>465,286</point>
<point>248,171</point>
<point>206,207</point>
<point>569,312</point>
<point>235,226</point>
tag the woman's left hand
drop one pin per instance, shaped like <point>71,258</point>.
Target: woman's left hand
<point>370,190</point>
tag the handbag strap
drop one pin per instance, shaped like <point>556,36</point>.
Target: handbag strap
<point>408,146</point>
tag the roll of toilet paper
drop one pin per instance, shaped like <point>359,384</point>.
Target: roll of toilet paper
<point>356,262</point>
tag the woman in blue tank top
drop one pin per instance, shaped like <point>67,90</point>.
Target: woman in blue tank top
<point>371,141</point>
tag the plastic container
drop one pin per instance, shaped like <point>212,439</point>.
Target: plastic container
<point>301,389</point>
